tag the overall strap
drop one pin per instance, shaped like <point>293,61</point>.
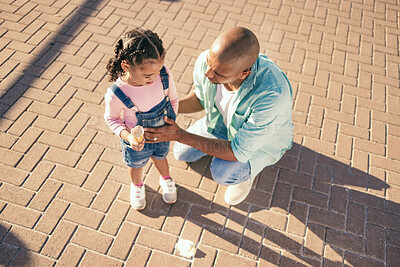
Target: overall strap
<point>164,79</point>
<point>122,96</point>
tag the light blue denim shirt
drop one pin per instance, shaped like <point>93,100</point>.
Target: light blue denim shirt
<point>261,128</point>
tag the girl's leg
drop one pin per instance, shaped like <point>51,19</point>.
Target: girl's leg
<point>162,166</point>
<point>169,194</point>
<point>135,175</point>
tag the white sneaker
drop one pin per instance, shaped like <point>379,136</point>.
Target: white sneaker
<point>138,197</point>
<point>169,190</point>
<point>235,194</point>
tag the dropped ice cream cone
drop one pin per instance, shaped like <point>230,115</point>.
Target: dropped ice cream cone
<point>185,248</point>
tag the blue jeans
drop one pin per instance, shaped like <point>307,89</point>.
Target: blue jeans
<point>223,171</point>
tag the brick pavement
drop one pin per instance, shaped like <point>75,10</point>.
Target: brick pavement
<point>332,200</point>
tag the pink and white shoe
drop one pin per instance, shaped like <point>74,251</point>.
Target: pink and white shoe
<point>138,197</point>
<point>169,190</point>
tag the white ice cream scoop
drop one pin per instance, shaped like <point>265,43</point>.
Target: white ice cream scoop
<point>185,248</point>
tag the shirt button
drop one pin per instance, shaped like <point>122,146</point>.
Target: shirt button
<point>165,112</point>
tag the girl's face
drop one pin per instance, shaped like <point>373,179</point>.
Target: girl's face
<point>143,74</point>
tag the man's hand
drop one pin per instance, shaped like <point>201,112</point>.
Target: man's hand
<point>169,132</point>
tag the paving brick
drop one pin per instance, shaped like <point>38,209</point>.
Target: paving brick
<point>18,109</point>
<point>251,241</point>
<point>375,243</point>
<point>326,218</point>
<point>7,252</point>
<point>16,195</point>
<point>58,240</point>
<point>158,258</point>
<point>19,215</point>
<point>291,259</point>
<point>69,175</point>
<point>297,219</point>
<point>90,158</point>
<point>310,197</point>
<point>61,156</point>
<point>199,197</point>
<point>9,157</point>
<point>351,259</point>
<point>283,240</point>
<point>314,241</point>
<point>355,219</point>
<point>272,219</point>
<point>92,239</point>
<point>91,258</point>
<point>333,256</point>
<point>55,139</point>
<point>84,216</point>
<point>141,218</point>
<point>50,219</point>
<point>156,240</point>
<point>205,256</point>
<point>33,157</point>
<point>139,256</point>
<point>30,239</point>
<point>206,217</point>
<point>222,240</point>
<point>383,219</point>
<point>121,247</point>
<point>114,217</point>
<point>392,255</point>
<point>34,259</point>
<point>282,197</point>
<point>266,179</point>
<point>237,217</point>
<point>345,241</point>
<point>106,196</point>
<point>71,255</point>
<point>77,195</point>
<point>176,218</point>
<point>50,124</point>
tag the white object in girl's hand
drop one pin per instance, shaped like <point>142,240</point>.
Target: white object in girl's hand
<point>138,133</point>
<point>186,248</point>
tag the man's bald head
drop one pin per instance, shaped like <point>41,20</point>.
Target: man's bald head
<point>238,46</point>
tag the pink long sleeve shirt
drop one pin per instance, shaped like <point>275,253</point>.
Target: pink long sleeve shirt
<point>118,117</point>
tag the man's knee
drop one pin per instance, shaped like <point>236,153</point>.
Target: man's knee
<point>185,153</point>
<point>229,172</point>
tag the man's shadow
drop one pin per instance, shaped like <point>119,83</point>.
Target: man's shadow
<point>11,248</point>
<point>307,208</point>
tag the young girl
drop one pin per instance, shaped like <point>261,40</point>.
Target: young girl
<point>142,94</point>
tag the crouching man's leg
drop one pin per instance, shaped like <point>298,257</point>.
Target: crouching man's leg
<point>236,175</point>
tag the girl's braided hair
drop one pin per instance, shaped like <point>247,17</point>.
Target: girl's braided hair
<point>134,46</point>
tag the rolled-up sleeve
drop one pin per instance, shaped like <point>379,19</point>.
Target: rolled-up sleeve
<point>268,127</point>
<point>198,77</point>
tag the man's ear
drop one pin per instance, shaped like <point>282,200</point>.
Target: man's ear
<point>245,73</point>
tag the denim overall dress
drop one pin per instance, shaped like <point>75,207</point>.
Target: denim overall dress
<point>152,118</point>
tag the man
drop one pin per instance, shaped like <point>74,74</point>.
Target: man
<point>248,105</point>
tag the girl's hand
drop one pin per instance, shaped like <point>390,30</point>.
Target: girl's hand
<point>135,145</point>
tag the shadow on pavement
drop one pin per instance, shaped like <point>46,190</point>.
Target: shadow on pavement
<point>305,196</point>
<point>11,248</point>
<point>47,54</point>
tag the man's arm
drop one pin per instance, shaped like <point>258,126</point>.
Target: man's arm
<point>190,104</point>
<point>171,132</point>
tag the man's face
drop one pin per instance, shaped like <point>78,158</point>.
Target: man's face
<point>220,73</point>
